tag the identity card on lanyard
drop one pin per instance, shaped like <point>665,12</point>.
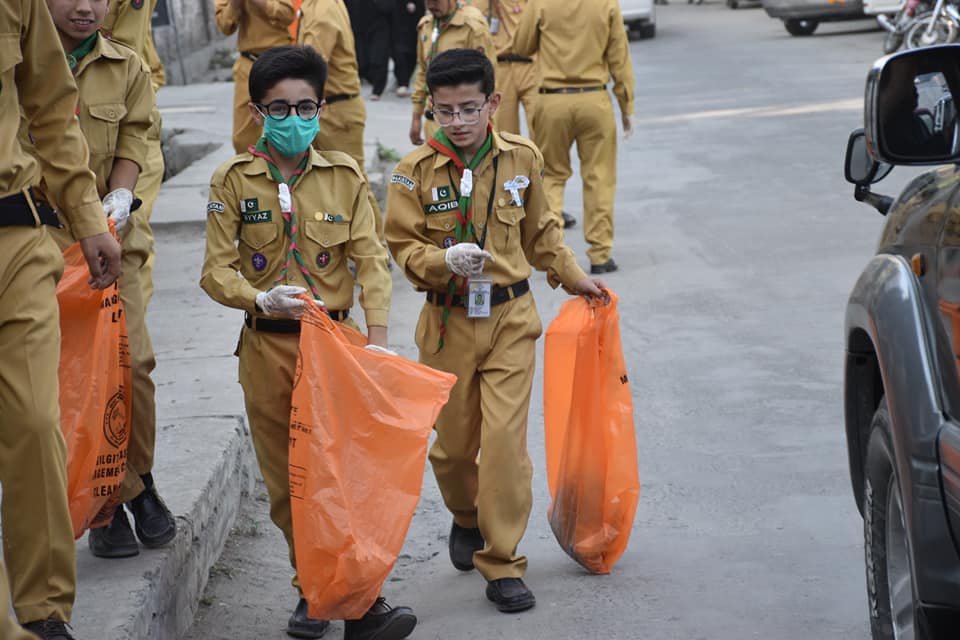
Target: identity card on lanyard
<point>479,289</point>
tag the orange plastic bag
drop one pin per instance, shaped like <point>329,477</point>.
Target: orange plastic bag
<point>359,427</point>
<point>590,442</point>
<point>95,398</point>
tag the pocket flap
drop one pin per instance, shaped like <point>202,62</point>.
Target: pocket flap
<point>258,235</point>
<point>328,234</point>
<point>10,55</point>
<point>110,112</point>
<point>511,215</point>
<point>445,222</point>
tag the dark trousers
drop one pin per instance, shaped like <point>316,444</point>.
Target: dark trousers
<point>404,40</point>
<point>378,43</point>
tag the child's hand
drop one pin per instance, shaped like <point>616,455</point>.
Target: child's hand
<point>591,288</point>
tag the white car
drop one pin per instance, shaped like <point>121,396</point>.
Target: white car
<point>639,16</point>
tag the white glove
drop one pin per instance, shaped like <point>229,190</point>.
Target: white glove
<point>466,259</point>
<point>117,205</point>
<point>282,301</point>
<point>378,349</point>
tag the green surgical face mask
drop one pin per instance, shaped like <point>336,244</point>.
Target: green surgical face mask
<point>292,135</point>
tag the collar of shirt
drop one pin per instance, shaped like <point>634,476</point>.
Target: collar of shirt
<point>499,144</point>
<point>103,48</point>
<point>256,165</point>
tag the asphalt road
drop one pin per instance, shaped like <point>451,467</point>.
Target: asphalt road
<point>738,242</point>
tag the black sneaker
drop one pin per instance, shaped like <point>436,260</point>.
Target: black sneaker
<point>381,622</point>
<point>152,519</point>
<point>49,629</point>
<point>302,626</point>
<point>114,540</point>
<point>463,543</point>
<point>605,267</point>
<point>510,595</point>
<point>568,220</point>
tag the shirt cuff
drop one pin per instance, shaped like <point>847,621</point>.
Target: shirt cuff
<point>131,148</point>
<point>377,317</point>
<point>87,220</point>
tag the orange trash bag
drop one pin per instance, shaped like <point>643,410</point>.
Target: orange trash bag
<point>359,427</point>
<point>95,398</point>
<point>590,442</point>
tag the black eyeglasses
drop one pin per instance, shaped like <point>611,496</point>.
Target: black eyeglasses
<point>467,115</point>
<point>279,110</point>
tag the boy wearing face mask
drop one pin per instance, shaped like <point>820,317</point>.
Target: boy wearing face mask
<point>282,221</point>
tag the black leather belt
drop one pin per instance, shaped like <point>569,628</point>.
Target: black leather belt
<point>286,326</point>
<point>16,211</point>
<point>252,57</point>
<point>339,97</point>
<point>512,57</point>
<point>498,295</point>
<point>573,89</point>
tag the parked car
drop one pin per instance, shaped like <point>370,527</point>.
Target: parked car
<point>640,17</point>
<point>802,17</point>
<point>902,330</point>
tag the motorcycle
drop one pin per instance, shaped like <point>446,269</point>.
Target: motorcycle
<point>899,23</point>
<point>939,26</point>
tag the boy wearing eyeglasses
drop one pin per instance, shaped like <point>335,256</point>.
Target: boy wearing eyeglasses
<point>466,219</point>
<point>282,221</point>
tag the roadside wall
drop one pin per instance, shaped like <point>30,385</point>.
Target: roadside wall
<point>188,41</point>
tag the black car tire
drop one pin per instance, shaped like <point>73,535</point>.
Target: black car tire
<point>880,483</point>
<point>648,30</point>
<point>800,27</point>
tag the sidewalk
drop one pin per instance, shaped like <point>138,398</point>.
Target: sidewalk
<point>204,461</point>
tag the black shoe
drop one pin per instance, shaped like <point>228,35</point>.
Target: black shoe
<point>49,629</point>
<point>153,521</point>
<point>301,626</point>
<point>463,543</point>
<point>605,267</point>
<point>381,622</point>
<point>510,595</point>
<point>114,540</point>
<point>568,220</point>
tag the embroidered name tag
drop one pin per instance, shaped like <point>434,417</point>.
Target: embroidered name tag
<point>215,207</point>
<point>440,207</point>
<point>256,217</point>
<point>403,180</point>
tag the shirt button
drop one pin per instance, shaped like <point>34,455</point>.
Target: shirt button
<point>446,225</point>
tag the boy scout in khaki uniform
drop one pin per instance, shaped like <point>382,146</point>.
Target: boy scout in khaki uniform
<point>466,219</point>
<point>517,77</point>
<point>282,221</point>
<point>325,26</point>
<point>447,25</point>
<point>580,45</point>
<point>37,534</point>
<point>128,22</point>
<point>115,110</point>
<point>262,24</point>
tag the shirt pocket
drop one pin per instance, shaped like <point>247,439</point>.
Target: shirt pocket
<point>10,57</point>
<point>442,229</point>
<point>326,245</point>
<point>103,127</point>
<point>505,234</point>
<point>258,235</point>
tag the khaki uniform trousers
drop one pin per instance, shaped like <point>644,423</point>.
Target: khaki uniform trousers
<point>9,629</point>
<point>493,359</point>
<point>518,83</point>
<point>588,120</point>
<point>341,129</point>
<point>38,541</point>
<point>246,132</point>
<point>268,399</point>
<point>148,189</point>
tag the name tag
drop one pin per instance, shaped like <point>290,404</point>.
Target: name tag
<point>479,290</point>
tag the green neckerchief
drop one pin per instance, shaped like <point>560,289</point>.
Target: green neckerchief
<point>439,26</point>
<point>263,151</point>
<point>464,228</point>
<point>78,54</point>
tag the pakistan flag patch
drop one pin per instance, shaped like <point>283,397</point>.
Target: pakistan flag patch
<point>256,217</point>
<point>440,193</point>
<point>249,204</point>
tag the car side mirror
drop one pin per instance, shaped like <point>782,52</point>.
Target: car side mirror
<point>912,108</point>
<point>859,167</point>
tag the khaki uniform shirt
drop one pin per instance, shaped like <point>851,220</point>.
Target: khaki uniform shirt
<point>468,29</point>
<point>259,30</point>
<point>247,244</point>
<point>116,103</point>
<point>34,77</point>
<point>128,21</point>
<point>325,26</point>
<point>578,43</point>
<point>507,13</point>
<point>422,213</point>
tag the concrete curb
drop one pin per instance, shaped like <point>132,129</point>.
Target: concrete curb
<point>155,596</point>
